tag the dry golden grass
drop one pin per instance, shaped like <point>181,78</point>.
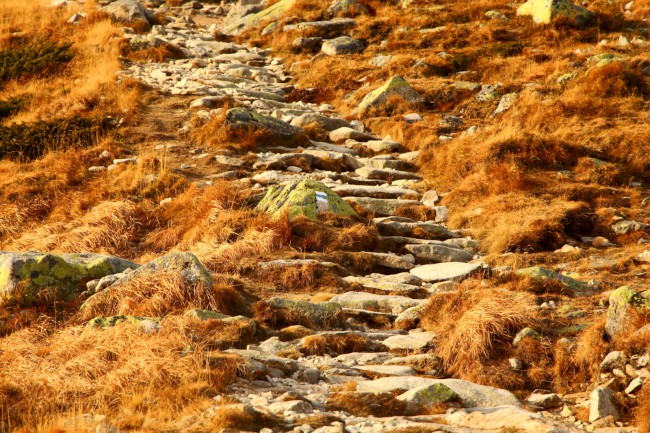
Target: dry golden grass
<point>121,371</point>
<point>471,323</point>
<point>366,404</point>
<point>334,344</point>
<point>150,295</point>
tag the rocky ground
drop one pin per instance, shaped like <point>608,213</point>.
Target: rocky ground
<point>360,361</point>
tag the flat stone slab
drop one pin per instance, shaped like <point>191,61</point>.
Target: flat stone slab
<point>384,286</point>
<point>340,135</point>
<point>386,174</point>
<point>387,370</point>
<point>369,301</point>
<point>394,227</point>
<point>374,191</point>
<point>439,253</point>
<point>469,394</point>
<point>392,261</point>
<point>413,341</point>
<point>381,206</point>
<point>455,271</point>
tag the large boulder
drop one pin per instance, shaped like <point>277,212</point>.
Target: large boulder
<point>395,86</point>
<point>547,11</point>
<point>342,45</point>
<point>625,306</point>
<point>320,313</point>
<point>24,275</point>
<point>131,11</point>
<point>307,197</point>
<point>273,131</point>
<point>271,13</point>
<point>186,264</point>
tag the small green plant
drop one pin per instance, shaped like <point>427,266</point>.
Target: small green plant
<point>13,105</point>
<point>41,57</point>
<point>27,141</point>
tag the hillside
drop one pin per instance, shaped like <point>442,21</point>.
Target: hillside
<point>324,216</point>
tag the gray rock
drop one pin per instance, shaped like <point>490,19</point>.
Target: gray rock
<point>385,174</point>
<point>65,274</point>
<point>386,370</point>
<point>601,404</point>
<point>369,301</point>
<point>334,27</point>
<point>412,341</point>
<point>439,253</point>
<point>525,333</point>
<point>130,11</point>
<point>347,8</point>
<point>395,86</point>
<point>276,131</point>
<point>321,313</point>
<point>544,401</point>
<point>624,305</point>
<point>311,45</point>
<point>507,101</point>
<point>446,271</point>
<point>325,122</point>
<point>294,406</point>
<point>615,359</point>
<point>384,286</point>
<point>419,400</point>
<point>342,45</point>
<point>381,206</point>
<point>469,394</point>
<point>346,133</point>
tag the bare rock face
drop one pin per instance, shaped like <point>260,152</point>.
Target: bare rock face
<point>547,11</point>
<point>131,11</point>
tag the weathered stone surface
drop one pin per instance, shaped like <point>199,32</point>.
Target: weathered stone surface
<point>311,45</point>
<point>394,86</point>
<point>294,406</point>
<point>325,122</point>
<point>446,271</point>
<point>307,197</point>
<point>386,370</point>
<point>271,13</point>
<point>369,301</point>
<point>66,274</point>
<point>347,8</point>
<point>412,341</point>
<point>425,397</point>
<point>201,314</point>
<point>410,317</point>
<point>321,313</point>
<point>506,418</point>
<point>383,286</point>
<point>614,359</point>
<point>602,405</point>
<point>147,324</point>
<point>469,394</point>
<point>409,228</point>
<point>130,11</point>
<point>547,11</point>
<point>342,45</point>
<point>525,333</point>
<point>331,28</point>
<point>374,191</point>
<point>439,253</point>
<point>186,264</point>
<point>544,401</point>
<point>386,174</point>
<point>624,302</point>
<point>339,135</point>
<point>388,260</point>
<point>275,131</point>
<point>381,206</point>
<point>577,287</point>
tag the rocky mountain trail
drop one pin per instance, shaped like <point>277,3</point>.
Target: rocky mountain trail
<point>355,355</point>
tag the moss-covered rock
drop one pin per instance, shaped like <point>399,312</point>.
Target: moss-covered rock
<point>23,276</point>
<point>307,197</point>
<point>625,306</point>
<point>320,313</point>
<point>107,322</point>
<point>273,12</point>
<point>547,11</point>
<point>200,314</point>
<point>604,59</point>
<point>577,287</point>
<point>272,131</point>
<point>419,400</point>
<point>525,333</point>
<point>394,86</point>
<point>186,264</point>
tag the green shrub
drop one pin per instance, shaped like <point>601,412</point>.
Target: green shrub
<point>13,105</point>
<point>27,141</point>
<point>37,58</point>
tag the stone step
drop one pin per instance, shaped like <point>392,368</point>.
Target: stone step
<point>384,286</point>
<point>375,191</point>
<point>383,303</point>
